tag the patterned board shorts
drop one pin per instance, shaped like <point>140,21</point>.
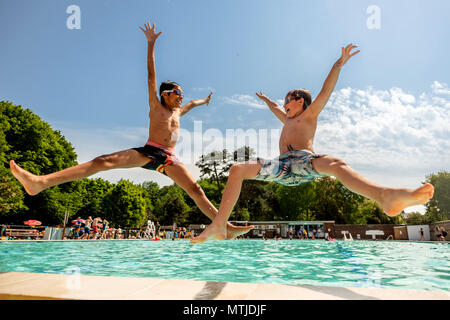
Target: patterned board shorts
<point>292,168</point>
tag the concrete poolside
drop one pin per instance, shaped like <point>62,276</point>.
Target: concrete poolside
<point>42,286</point>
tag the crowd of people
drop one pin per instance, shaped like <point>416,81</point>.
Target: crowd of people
<point>98,229</point>
<point>91,229</point>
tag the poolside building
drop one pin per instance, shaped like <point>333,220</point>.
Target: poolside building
<point>269,229</point>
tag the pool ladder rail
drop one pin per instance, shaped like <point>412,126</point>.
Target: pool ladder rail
<point>350,238</point>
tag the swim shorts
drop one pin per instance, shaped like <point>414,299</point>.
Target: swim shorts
<point>292,168</point>
<point>160,156</point>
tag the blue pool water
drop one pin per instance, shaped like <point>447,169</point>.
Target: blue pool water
<point>379,264</point>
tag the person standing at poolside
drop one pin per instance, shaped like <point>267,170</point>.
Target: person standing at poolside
<point>422,237</point>
<point>157,229</point>
<point>77,228</point>
<point>298,164</point>
<point>437,233</point>
<point>95,228</point>
<point>158,153</point>
<point>87,228</point>
<point>104,229</point>
<point>304,233</point>
<point>443,234</point>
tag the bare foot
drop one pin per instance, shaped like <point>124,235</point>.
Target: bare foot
<point>236,231</point>
<point>395,200</point>
<point>214,231</point>
<point>28,180</point>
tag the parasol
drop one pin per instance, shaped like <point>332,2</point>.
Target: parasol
<point>32,223</point>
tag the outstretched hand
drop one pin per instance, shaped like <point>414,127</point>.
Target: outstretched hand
<point>209,98</point>
<point>150,32</point>
<point>346,54</point>
<point>262,97</point>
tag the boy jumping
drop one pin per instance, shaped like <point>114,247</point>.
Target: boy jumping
<point>157,154</point>
<point>298,163</point>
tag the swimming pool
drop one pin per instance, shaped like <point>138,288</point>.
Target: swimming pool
<point>378,264</point>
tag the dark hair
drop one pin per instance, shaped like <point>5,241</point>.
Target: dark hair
<point>302,93</point>
<point>166,85</point>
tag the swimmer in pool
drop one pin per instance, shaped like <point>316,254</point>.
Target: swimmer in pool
<point>157,154</point>
<point>298,163</point>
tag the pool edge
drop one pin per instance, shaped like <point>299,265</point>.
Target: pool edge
<point>39,286</point>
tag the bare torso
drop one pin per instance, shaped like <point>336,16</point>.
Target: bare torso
<point>164,125</point>
<point>299,133</point>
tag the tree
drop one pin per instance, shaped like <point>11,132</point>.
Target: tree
<point>124,205</point>
<point>11,194</point>
<point>257,199</point>
<point>214,166</point>
<point>33,144</point>
<point>438,208</point>
<point>171,207</point>
<point>91,192</point>
<point>296,202</point>
<point>416,218</point>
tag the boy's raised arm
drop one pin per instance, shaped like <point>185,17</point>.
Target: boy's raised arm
<point>275,108</point>
<point>329,84</point>
<point>194,103</point>
<point>152,87</point>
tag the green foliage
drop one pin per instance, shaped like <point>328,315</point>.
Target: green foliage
<point>438,208</point>
<point>11,194</point>
<point>214,167</point>
<point>295,202</point>
<point>416,218</point>
<point>171,206</point>
<point>34,145</point>
<point>91,192</point>
<point>124,205</point>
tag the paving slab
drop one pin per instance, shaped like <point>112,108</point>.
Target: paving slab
<point>37,286</point>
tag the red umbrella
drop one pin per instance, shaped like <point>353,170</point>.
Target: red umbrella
<point>32,223</point>
<point>81,220</point>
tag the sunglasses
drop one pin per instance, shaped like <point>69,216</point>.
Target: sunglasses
<point>295,97</point>
<point>178,92</point>
<point>289,99</point>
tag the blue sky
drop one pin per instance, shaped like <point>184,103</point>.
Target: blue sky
<point>91,83</point>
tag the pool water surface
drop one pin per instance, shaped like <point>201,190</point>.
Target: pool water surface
<point>378,264</point>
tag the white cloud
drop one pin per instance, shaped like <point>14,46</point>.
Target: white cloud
<point>440,88</point>
<point>246,100</point>
<point>389,134</point>
<point>203,89</point>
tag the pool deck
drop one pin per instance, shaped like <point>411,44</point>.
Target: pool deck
<point>42,286</point>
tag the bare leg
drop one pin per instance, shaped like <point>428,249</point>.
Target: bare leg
<point>393,201</point>
<point>238,172</point>
<point>34,184</point>
<point>181,176</point>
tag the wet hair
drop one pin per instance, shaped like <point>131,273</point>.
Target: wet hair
<point>302,93</point>
<point>166,85</point>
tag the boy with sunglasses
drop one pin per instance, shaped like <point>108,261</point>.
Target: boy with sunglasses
<point>298,163</point>
<point>157,154</point>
